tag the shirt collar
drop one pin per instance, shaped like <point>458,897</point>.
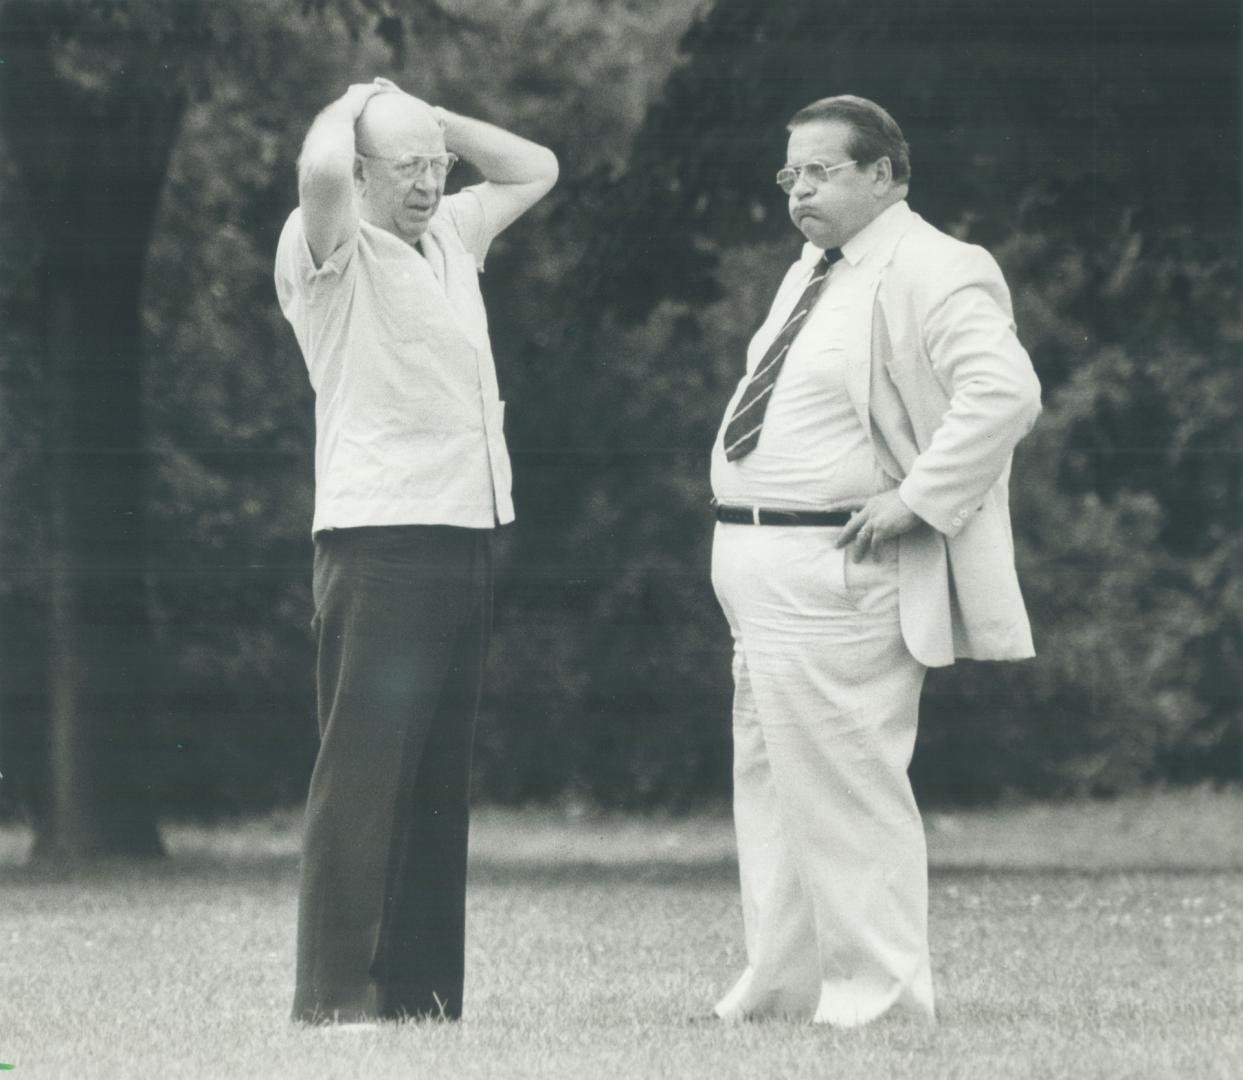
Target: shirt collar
<point>856,249</point>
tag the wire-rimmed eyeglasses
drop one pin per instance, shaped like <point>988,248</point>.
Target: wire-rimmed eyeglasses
<point>412,166</point>
<point>815,171</point>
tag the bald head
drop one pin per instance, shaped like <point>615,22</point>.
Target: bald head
<point>395,193</point>
<point>395,123</point>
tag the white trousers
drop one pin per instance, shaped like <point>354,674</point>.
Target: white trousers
<point>831,848</point>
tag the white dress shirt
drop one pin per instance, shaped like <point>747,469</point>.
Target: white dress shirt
<point>813,452</point>
<point>408,417</point>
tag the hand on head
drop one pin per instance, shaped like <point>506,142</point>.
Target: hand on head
<point>393,122</point>
<point>360,94</point>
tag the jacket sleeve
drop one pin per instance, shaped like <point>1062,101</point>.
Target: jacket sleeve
<point>969,337</point>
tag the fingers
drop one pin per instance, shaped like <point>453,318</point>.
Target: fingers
<point>365,91</point>
<point>865,542</point>
<point>861,534</point>
<point>359,94</point>
<point>850,529</point>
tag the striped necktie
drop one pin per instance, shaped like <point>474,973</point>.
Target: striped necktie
<point>743,430</point>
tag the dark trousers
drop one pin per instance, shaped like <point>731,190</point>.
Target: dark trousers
<point>403,615</point>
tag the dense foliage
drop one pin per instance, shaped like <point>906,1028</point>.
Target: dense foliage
<point>1093,148</point>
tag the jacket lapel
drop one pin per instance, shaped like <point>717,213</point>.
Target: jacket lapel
<point>859,332</point>
<point>859,350</point>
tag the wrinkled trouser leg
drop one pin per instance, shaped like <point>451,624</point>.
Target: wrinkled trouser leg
<point>402,615</point>
<point>831,850</point>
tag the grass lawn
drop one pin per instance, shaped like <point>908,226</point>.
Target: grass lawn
<point>1087,940</point>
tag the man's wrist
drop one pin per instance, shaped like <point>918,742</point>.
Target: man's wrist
<point>907,506</point>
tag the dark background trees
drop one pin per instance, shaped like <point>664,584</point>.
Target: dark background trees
<point>154,651</point>
<point>1095,149</point>
<point>89,128</point>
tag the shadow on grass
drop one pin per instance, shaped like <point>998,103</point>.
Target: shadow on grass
<point>1056,870</point>
<point>664,872</point>
<point>725,872</point>
<point>271,870</point>
<point>103,873</point>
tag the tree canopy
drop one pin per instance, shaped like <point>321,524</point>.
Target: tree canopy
<point>156,424</point>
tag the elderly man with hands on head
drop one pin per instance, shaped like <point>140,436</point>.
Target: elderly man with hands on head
<point>377,271</point>
<point>860,478</point>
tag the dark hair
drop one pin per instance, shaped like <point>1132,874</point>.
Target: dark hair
<point>874,133</point>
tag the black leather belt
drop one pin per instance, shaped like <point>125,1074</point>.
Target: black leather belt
<point>755,515</point>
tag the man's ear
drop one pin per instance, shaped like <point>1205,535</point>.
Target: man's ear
<point>882,171</point>
<point>359,179</point>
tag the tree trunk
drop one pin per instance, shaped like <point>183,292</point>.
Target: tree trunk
<point>99,631</point>
<point>94,154</point>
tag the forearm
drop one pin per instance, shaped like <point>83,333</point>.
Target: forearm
<point>329,146</point>
<point>968,454</point>
<point>968,333</point>
<point>501,156</point>
<point>326,171</point>
<point>995,402</point>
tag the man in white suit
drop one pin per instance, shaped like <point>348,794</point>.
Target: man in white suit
<point>860,483</point>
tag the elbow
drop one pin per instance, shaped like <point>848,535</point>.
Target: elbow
<point>1021,406</point>
<point>1021,389</point>
<point>1012,401</point>
<point>549,169</point>
<point>1031,399</point>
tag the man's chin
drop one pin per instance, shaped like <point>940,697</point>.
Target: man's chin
<point>813,229</point>
<point>412,225</point>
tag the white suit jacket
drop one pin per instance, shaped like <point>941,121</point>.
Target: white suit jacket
<point>939,378</point>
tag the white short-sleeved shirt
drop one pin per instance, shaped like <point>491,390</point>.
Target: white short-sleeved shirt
<point>408,416</point>
<point>813,452</point>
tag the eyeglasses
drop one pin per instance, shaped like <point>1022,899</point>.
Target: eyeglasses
<point>815,171</point>
<point>412,166</point>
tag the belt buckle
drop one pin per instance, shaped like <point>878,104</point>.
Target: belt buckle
<point>755,515</point>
